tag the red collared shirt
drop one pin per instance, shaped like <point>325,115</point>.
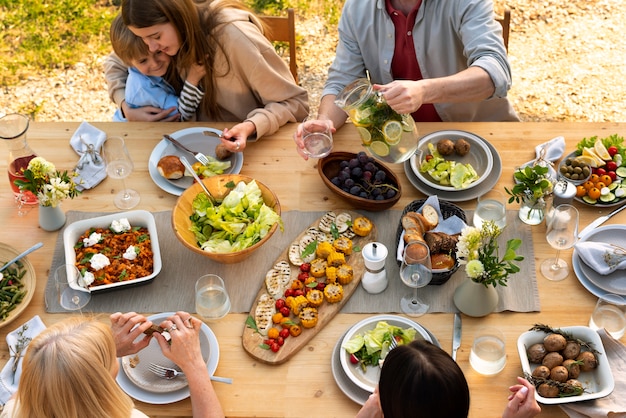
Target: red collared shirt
<point>404,64</point>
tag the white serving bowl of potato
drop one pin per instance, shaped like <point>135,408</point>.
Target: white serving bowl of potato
<point>459,146</point>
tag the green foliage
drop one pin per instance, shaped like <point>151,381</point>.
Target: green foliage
<point>48,34</point>
<point>531,181</point>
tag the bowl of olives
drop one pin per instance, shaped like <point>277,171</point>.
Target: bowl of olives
<point>360,179</point>
<point>574,170</point>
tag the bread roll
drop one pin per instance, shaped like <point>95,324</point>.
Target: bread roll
<point>442,261</point>
<point>440,242</point>
<point>170,167</point>
<point>415,251</point>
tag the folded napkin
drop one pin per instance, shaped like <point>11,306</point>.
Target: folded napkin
<point>602,257</point>
<point>87,142</point>
<point>10,375</point>
<point>452,225</point>
<point>613,405</point>
<point>549,152</point>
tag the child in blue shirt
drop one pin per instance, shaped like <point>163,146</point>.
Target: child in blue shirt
<point>146,84</point>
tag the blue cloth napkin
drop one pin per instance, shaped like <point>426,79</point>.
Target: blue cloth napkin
<point>9,379</point>
<point>87,142</point>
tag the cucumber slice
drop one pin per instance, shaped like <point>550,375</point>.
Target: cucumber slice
<point>613,186</point>
<point>606,198</point>
<point>621,171</point>
<point>589,200</point>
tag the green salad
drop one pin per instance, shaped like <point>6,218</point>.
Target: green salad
<point>370,347</point>
<point>241,220</point>
<point>447,172</point>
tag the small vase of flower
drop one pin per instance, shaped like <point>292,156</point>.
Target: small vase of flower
<point>51,187</point>
<point>478,250</point>
<point>533,191</point>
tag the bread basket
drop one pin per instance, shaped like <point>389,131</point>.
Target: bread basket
<point>447,210</point>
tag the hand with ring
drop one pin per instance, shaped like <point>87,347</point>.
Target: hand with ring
<point>235,139</point>
<point>126,329</point>
<point>184,345</point>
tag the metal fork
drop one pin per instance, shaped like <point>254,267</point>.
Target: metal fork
<point>393,344</point>
<point>169,373</point>
<point>197,155</point>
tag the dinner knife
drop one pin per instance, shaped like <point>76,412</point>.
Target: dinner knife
<point>456,337</point>
<point>602,219</point>
<point>178,144</point>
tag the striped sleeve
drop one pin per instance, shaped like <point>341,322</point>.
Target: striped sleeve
<point>189,100</point>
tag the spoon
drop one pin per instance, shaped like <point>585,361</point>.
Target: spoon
<point>195,176</point>
<point>24,254</point>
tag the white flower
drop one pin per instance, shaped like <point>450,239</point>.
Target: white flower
<point>474,269</point>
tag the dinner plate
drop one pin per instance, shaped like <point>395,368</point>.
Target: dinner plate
<point>144,386</point>
<point>351,390</point>
<point>367,380</point>
<point>194,139</point>
<point>461,195</point>
<point>610,283</point>
<point>7,253</point>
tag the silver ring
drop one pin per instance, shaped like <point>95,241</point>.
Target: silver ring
<point>172,328</point>
<point>237,146</point>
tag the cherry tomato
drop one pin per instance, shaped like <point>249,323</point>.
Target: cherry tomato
<point>599,185</point>
<point>298,292</point>
<point>580,191</point>
<point>587,185</point>
<point>612,150</point>
<point>613,175</point>
<point>275,347</point>
<point>321,286</point>
<point>284,333</point>
<point>354,359</point>
<point>600,172</point>
<point>606,179</point>
<point>277,317</point>
<point>303,275</point>
<point>611,166</point>
<point>280,341</point>
<point>295,330</point>
<point>428,157</point>
<point>288,292</point>
<point>594,178</point>
<point>272,333</point>
<point>306,267</point>
<point>594,193</point>
<point>280,303</point>
<point>285,311</point>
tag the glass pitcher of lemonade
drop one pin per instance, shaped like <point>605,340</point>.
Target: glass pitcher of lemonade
<point>13,129</point>
<point>388,135</point>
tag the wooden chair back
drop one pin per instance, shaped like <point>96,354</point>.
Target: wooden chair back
<point>505,21</point>
<point>283,29</point>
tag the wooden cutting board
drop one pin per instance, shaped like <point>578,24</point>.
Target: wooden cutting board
<point>252,340</point>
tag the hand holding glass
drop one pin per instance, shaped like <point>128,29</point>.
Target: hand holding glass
<point>561,233</point>
<point>119,166</point>
<point>415,272</point>
<point>70,298</point>
<point>317,136</point>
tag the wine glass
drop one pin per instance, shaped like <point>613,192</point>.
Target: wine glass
<point>561,232</point>
<point>70,298</point>
<point>119,166</point>
<point>415,272</point>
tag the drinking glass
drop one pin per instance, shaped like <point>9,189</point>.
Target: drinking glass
<point>70,298</point>
<point>212,301</point>
<point>415,272</point>
<point>491,206</point>
<point>561,233</point>
<point>119,166</point>
<point>610,314</point>
<point>317,136</point>
<point>488,353</point>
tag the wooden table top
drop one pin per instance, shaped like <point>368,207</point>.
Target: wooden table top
<point>304,386</point>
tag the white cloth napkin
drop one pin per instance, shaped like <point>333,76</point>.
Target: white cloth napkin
<point>8,379</point>
<point>91,168</point>
<point>602,257</point>
<point>549,152</point>
<point>613,405</point>
<point>452,225</point>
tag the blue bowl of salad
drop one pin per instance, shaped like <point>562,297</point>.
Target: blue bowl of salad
<point>246,216</point>
<point>452,160</point>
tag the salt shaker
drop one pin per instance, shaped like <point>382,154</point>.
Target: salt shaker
<point>375,277</point>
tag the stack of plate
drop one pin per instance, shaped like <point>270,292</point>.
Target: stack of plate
<point>594,282</point>
<point>483,157</point>
<point>195,140</point>
<point>351,379</point>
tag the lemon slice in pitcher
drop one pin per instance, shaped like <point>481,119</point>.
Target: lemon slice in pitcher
<point>366,137</point>
<point>392,131</point>
<point>379,148</point>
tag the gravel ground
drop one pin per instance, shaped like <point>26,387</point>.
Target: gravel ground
<point>567,57</point>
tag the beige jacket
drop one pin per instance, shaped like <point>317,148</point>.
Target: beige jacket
<point>259,86</point>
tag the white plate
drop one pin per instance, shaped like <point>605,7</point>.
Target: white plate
<point>194,139</point>
<point>461,195</point>
<point>352,391</point>
<point>598,383</point>
<point>479,157</point>
<point>29,280</point>
<point>177,393</point>
<point>142,218</point>
<point>369,379</point>
<point>592,288</point>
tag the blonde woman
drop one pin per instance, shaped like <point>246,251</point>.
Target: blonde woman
<point>69,369</point>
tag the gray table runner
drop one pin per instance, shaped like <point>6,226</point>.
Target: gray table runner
<point>173,288</point>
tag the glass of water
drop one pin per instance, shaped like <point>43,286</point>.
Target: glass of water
<point>491,207</point>
<point>610,314</point>
<point>67,282</point>
<point>488,353</point>
<point>212,301</point>
<point>317,136</point>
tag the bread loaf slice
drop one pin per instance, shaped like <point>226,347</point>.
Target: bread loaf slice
<point>431,217</point>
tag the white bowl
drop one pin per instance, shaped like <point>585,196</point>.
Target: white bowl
<point>142,218</point>
<point>479,157</point>
<point>369,379</point>
<point>598,383</point>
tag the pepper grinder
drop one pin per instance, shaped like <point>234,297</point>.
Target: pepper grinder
<point>375,277</point>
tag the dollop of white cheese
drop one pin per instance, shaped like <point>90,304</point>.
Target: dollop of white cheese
<point>86,280</point>
<point>92,240</point>
<point>130,253</point>
<point>120,225</point>
<point>99,261</point>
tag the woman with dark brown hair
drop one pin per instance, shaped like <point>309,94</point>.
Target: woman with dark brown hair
<point>246,81</point>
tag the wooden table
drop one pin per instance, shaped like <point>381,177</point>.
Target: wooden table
<point>304,386</point>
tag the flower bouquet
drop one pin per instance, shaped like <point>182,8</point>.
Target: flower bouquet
<point>50,186</point>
